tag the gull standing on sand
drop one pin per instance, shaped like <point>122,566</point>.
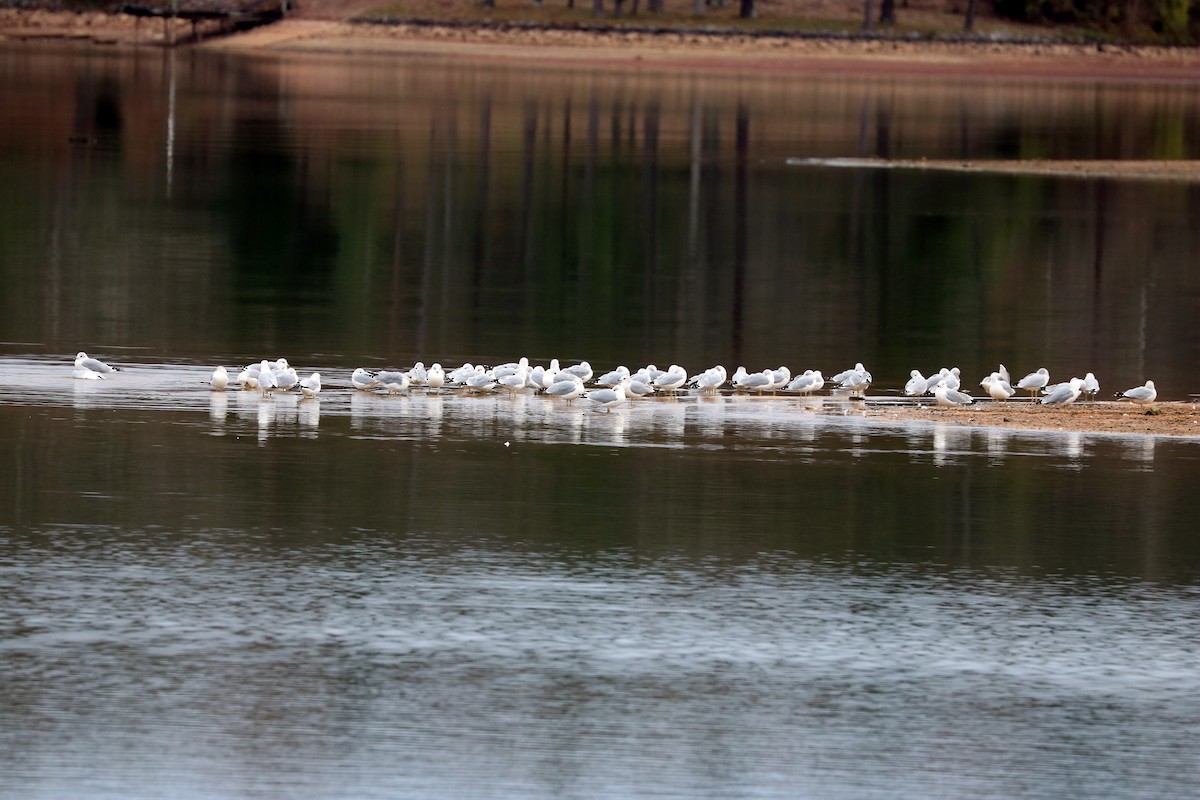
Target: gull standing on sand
<point>1064,395</point>
<point>951,397</point>
<point>917,384</point>
<point>1091,386</point>
<point>755,381</point>
<point>1142,395</point>
<point>1035,381</point>
<point>997,387</point>
<point>219,379</point>
<point>85,361</point>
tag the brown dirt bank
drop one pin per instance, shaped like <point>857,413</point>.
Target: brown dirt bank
<point>686,51</point>
<point>321,30</point>
<point>1171,419</point>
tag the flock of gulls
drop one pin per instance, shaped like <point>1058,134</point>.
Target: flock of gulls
<point>611,389</point>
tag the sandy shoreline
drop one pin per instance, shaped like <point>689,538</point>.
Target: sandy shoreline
<point>1177,419</point>
<point>634,50</point>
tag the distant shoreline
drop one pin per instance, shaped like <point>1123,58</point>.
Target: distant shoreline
<point>639,50</point>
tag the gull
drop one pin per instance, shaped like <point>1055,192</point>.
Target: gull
<point>636,389</point>
<point>1091,386</point>
<point>483,380</point>
<point>85,374</point>
<point>780,378</point>
<point>1034,381</point>
<point>266,379</point>
<point>807,383</point>
<point>219,379</point>
<point>459,375</point>
<point>842,376</point>
<point>738,374</point>
<point>711,380</point>
<point>435,377</point>
<point>568,387</point>
<point>857,381</point>
<point>280,366</point>
<point>286,380</point>
<point>1142,395</point>
<point>1064,395</point>
<point>583,369</point>
<point>363,380</point>
<point>934,380</point>
<point>249,378</point>
<point>917,384</point>
<point>611,379</point>
<point>951,397</point>
<point>997,387</point>
<point>647,374</point>
<point>1004,376</point>
<point>82,359</point>
<point>511,368</point>
<point>393,380</point>
<point>311,386</point>
<point>670,380</point>
<point>418,374</point>
<point>952,380</point>
<point>536,377</point>
<point>609,398</point>
<point>515,381</point>
<point>755,381</point>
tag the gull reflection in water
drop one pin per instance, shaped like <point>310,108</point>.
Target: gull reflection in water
<point>308,414</point>
<point>218,409</point>
<point>265,415</point>
<point>997,445</point>
<point>947,442</point>
<point>1141,450</point>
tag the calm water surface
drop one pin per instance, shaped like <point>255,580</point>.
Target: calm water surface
<point>216,595</point>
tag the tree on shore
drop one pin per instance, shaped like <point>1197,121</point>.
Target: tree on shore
<point>746,11</point>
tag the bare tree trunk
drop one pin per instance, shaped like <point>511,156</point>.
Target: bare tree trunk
<point>969,22</point>
<point>699,7</point>
<point>654,6</point>
<point>887,12</point>
<point>597,8</point>
<point>489,3</point>
<point>747,9</point>
<point>868,23</point>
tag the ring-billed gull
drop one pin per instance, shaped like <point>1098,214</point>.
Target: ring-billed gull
<point>1035,381</point>
<point>85,374</point>
<point>636,389</point>
<point>219,379</point>
<point>582,370</point>
<point>286,379</point>
<point>393,380</point>
<point>671,380</point>
<point>609,398</point>
<point>568,387</point>
<point>611,379</point>
<point>266,379</point>
<point>82,359</point>
<point>997,387</point>
<point>1091,386</point>
<point>311,386</point>
<point>807,382</point>
<point>1142,395</point>
<point>917,384</point>
<point>710,381</point>
<point>857,380</point>
<point>435,376</point>
<point>952,380</point>
<point>951,397</point>
<point>1064,395</point>
<point>363,380</point>
<point>755,381</point>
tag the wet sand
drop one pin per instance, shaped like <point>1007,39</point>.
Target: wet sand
<point>1112,417</point>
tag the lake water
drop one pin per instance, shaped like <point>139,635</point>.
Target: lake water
<point>218,595</point>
